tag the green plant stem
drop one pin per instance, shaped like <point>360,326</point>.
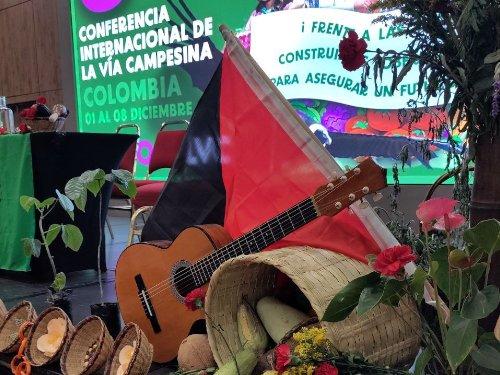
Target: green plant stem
<point>488,265</point>
<point>448,245</point>
<point>44,240</point>
<point>99,272</point>
<point>459,287</point>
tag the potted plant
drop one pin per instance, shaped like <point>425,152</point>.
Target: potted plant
<point>76,189</point>
<point>456,263</point>
<point>70,234</point>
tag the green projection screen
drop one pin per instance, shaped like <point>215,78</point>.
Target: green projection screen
<point>148,61</point>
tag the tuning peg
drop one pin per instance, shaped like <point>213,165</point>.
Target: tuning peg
<point>330,185</point>
<point>343,178</point>
<point>365,190</point>
<point>377,196</point>
<point>357,170</point>
<point>352,197</point>
<point>363,204</point>
<point>338,205</point>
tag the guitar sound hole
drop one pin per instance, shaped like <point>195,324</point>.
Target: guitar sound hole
<point>183,280</point>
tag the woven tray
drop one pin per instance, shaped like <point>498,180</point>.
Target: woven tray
<point>380,335</point>
<point>88,348</point>
<point>35,356</point>
<point>9,327</point>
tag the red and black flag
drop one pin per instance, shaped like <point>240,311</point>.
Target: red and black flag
<point>246,157</point>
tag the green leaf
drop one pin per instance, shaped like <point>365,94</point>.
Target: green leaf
<point>81,201</point>
<point>439,272</point>
<point>130,190</point>
<point>72,237</point>
<point>59,282</point>
<point>52,233</point>
<point>31,247</point>
<point>422,361</point>
<point>493,57</point>
<point>485,236</point>
<point>393,291</point>
<point>346,300</point>
<point>122,175</point>
<point>369,298</point>
<point>46,203</point>
<point>75,188</point>
<point>65,202</point>
<point>417,283</point>
<point>94,180</point>
<point>28,202</point>
<point>487,356</point>
<point>460,339</point>
<point>480,303</point>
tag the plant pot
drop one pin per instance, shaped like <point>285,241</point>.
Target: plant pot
<point>110,314</point>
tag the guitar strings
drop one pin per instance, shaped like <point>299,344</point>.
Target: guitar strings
<point>160,287</point>
<point>187,273</point>
<point>167,287</point>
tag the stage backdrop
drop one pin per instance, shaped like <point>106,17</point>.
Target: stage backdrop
<point>149,61</point>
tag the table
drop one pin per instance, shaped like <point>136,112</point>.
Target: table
<point>50,160</point>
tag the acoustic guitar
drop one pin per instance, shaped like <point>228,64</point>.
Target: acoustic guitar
<point>152,279</point>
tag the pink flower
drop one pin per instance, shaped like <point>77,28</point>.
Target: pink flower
<point>449,222</point>
<point>391,261</point>
<point>430,211</point>
<point>283,355</point>
<point>195,299</point>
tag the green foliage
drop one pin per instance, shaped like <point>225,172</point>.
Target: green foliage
<point>347,299</point>
<point>72,236</point>
<point>484,236</point>
<point>52,233</point>
<point>417,283</point>
<point>31,247</point>
<point>422,361</point>
<point>480,303</point>
<point>28,202</point>
<point>59,282</point>
<point>460,339</point>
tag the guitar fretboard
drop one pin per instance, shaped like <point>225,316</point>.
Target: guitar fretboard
<point>256,240</point>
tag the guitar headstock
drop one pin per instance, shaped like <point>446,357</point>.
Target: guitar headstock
<point>364,179</point>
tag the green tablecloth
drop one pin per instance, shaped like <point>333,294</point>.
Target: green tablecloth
<point>16,179</point>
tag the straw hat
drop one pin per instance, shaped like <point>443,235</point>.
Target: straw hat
<point>35,356</point>
<point>87,349</point>
<point>142,356</point>
<point>384,335</point>
<point>9,327</point>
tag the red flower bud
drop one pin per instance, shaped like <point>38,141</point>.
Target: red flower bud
<point>352,51</point>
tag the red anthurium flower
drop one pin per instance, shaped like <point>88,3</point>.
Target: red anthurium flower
<point>352,51</point>
<point>283,355</point>
<point>326,369</point>
<point>195,299</point>
<point>391,261</point>
<point>450,222</point>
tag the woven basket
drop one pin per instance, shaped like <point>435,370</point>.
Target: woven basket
<point>35,356</point>
<point>143,353</point>
<point>380,335</point>
<point>3,311</point>
<point>9,327</point>
<point>88,348</point>
<point>44,125</point>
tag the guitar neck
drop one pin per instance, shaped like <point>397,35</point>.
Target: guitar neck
<point>257,239</point>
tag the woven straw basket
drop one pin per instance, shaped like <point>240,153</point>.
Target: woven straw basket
<point>380,335</point>
<point>143,353</point>
<point>9,327</point>
<point>88,348</point>
<point>3,311</point>
<point>44,125</point>
<point>35,356</point>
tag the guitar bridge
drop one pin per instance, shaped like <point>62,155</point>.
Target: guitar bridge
<point>147,304</point>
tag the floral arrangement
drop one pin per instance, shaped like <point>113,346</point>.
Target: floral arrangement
<point>457,271</point>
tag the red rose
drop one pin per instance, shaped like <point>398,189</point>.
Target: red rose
<point>41,100</point>
<point>283,355</point>
<point>351,51</point>
<point>391,261</point>
<point>195,299</point>
<point>326,369</point>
